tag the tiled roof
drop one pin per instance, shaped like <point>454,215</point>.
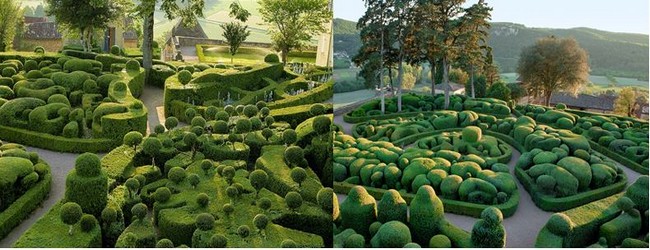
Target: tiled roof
<point>31,19</point>
<point>602,102</point>
<point>42,30</point>
<point>181,30</point>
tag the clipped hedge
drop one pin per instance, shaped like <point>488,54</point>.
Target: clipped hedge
<point>21,208</point>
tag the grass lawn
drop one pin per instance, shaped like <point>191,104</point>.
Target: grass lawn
<point>347,98</point>
<point>245,55</point>
<point>600,83</point>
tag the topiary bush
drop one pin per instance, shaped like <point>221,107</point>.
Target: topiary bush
<point>392,207</point>
<point>87,184</point>
<point>271,58</point>
<point>293,200</point>
<point>392,234</point>
<point>70,214</point>
<point>88,222</point>
<point>132,65</point>
<point>426,212</point>
<point>488,232</point>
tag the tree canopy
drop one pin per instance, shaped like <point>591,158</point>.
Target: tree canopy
<point>294,22</point>
<point>553,64</point>
<point>11,16</point>
<point>234,32</point>
<point>86,16</point>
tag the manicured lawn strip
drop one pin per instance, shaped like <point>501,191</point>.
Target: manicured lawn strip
<point>452,206</point>
<point>587,220</point>
<point>23,206</point>
<point>50,232</point>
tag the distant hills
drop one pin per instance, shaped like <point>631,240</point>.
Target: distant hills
<point>616,54</point>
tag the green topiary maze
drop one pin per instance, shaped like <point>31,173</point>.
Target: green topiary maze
<point>461,156</point>
<point>69,104</point>
<point>212,183</point>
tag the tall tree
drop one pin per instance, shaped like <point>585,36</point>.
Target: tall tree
<point>234,32</point>
<point>188,11</point>
<point>427,32</point>
<point>10,16</point>
<point>474,41</point>
<point>28,11</point>
<point>86,16</point>
<point>294,22</point>
<point>626,103</point>
<point>39,11</point>
<point>553,64</point>
<point>401,21</point>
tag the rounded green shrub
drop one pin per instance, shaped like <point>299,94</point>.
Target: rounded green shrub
<point>559,224</point>
<point>202,200</point>
<point>132,65</point>
<point>260,221</point>
<point>271,58</point>
<point>354,241</point>
<point>198,121</point>
<point>545,157</point>
<point>560,106</point>
<point>392,207</point>
<point>258,179</point>
<point>171,122</point>
<point>88,222</point>
<point>321,124</point>
<point>184,77</point>
<point>488,232</point>
<point>39,50</point>
<point>358,210</point>
<point>70,214</point>
<point>162,243</point>
<point>293,200</point>
<point>289,136</point>
<point>133,139</point>
<point>293,155</point>
<point>298,175</point>
<point>116,50</point>
<point>325,198</point>
<point>139,211</point>
<point>243,231</point>
<point>426,211</point>
<point>176,174</point>
<point>34,74</point>
<point>218,241</point>
<point>440,241</point>
<point>317,109</point>
<point>204,221</point>
<point>471,134</point>
<point>392,234</point>
<point>250,110</point>
<point>546,183</point>
<point>162,194</point>
<point>31,65</point>
<point>449,186</point>
<point>8,72</point>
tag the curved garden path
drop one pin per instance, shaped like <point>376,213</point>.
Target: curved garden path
<point>62,163</point>
<point>522,227</point>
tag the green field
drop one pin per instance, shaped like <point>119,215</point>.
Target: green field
<point>245,55</point>
<point>600,83</point>
<point>347,98</point>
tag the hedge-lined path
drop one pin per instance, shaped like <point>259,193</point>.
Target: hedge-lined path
<point>522,227</point>
<point>62,163</point>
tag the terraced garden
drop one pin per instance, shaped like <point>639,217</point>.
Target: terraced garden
<point>489,160</point>
<point>237,156</point>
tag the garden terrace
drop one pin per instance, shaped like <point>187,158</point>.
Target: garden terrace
<point>241,85</point>
<point>224,180</point>
<point>558,167</point>
<point>68,104</point>
<point>621,138</point>
<point>25,181</point>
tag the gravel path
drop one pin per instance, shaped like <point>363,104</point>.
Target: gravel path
<point>522,227</point>
<point>62,163</point>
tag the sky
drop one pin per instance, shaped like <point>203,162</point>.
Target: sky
<point>629,16</point>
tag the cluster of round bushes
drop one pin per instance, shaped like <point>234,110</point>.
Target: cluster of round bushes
<point>418,103</point>
<point>391,223</point>
<point>468,177</point>
<point>400,128</point>
<point>19,172</point>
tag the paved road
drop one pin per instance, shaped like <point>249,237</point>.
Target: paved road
<point>522,227</point>
<point>62,163</point>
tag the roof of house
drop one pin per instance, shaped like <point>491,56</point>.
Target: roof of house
<point>41,30</point>
<point>602,102</point>
<point>181,30</point>
<point>453,86</point>
<point>31,19</point>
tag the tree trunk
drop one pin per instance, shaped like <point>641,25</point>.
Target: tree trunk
<point>400,78</point>
<point>285,55</point>
<point>433,77</point>
<point>381,89</point>
<point>547,99</point>
<point>445,79</point>
<point>147,46</point>
<point>471,69</point>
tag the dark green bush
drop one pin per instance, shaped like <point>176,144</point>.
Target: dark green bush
<point>132,65</point>
<point>87,184</point>
<point>204,221</point>
<point>202,200</point>
<point>243,231</point>
<point>88,222</point>
<point>71,214</point>
<point>426,212</point>
<point>164,243</point>
<point>176,174</point>
<point>488,232</point>
<point>272,58</point>
<point>293,200</point>
<point>162,194</point>
<point>392,234</point>
<point>392,207</point>
<point>139,211</point>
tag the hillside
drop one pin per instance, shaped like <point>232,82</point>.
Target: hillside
<point>618,54</point>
